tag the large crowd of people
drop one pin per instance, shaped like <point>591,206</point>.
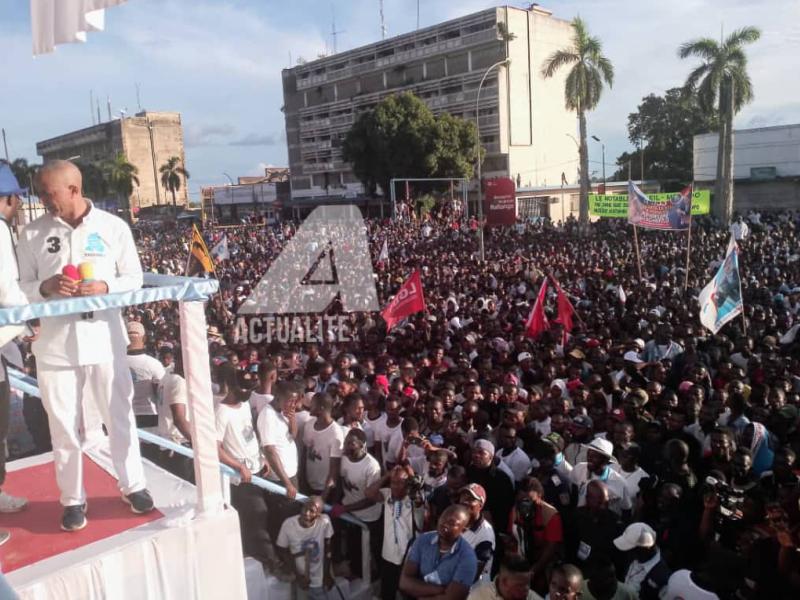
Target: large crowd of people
<point>635,456</point>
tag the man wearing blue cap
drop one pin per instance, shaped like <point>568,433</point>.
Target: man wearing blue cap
<point>10,295</point>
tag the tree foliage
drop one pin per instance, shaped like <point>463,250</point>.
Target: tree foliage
<point>23,171</point>
<point>722,80</point>
<point>171,173</point>
<point>401,137</point>
<point>120,176</point>
<point>665,127</point>
<point>589,71</point>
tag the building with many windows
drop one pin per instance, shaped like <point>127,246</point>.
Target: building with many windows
<point>147,140</point>
<point>523,119</point>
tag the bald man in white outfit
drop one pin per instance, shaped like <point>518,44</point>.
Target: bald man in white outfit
<point>82,358</point>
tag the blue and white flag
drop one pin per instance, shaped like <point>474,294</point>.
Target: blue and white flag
<point>721,300</point>
<point>220,250</point>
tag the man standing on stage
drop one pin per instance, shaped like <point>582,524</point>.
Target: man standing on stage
<point>82,358</point>
<point>10,295</point>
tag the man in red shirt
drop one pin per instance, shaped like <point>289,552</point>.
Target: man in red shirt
<point>537,529</point>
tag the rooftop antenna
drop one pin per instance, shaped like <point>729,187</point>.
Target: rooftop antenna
<point>97,103</point>
<point>334,32</point>
<point>108,102</point>
<point>383,23</point>
<point>138,98</point>
<point>91,105</point>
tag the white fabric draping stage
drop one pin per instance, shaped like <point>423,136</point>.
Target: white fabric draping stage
<point>176,557</point>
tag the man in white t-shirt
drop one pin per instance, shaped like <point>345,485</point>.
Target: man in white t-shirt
<point>277,429</point>
<point>597,466</point>
<point>359,471</point>
<point>173,422</point>
<point>402,520</point>
<point>262,394</point>
<point>147,373</point>
<point>385,428</point>
<point>238,448</point>
<point>322,447</point>
<point>511,454</point>
<point>304,543</point>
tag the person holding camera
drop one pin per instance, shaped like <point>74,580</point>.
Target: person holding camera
<point>403,517</point>
<point>537,530</point>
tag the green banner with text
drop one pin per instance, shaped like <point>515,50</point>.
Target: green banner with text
<point>616,205</point>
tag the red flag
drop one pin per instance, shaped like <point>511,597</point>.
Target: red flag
<point>408,300</point>
<point>537,321</point>
<point>565,309</point>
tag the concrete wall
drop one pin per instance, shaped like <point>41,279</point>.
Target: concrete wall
<point>539,149</point>
<point>167,142</point>
<point>777,147</point>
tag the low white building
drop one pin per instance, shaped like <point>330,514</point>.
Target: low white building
<point>766,166</point>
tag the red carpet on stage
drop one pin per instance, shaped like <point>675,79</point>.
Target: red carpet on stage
<point>36,531</point>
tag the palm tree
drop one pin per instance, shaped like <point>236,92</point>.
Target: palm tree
<point>95,182</point>
<point>120,176</point>
<point>722,79</point>
<point>582,89</point>
<point>23,171</point>
<point>171,173</point>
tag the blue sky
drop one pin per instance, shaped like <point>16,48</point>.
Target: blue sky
<point>218,62</point>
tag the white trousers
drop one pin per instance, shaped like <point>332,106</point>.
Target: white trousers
<point>109,387</point>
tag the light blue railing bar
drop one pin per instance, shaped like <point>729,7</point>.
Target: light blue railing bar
<point>159,287</point>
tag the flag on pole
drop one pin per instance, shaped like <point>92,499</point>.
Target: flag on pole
<point>623,297</point>
<point>200,260</point>
<point>537,321</point>
<point>721,300</point>
<point>220,251</point>
<point>384,255</point>
<point>565,309</point>
<point>408,300</point>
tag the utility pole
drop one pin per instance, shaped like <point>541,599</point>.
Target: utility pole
<point>334,33</point>
<point>153,156</point>
<point>5,145</point>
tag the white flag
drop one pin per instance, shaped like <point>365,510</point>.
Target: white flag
<point>220,251</point>
<point>621,293</point>
<point>721,300</point>
<point>384,255</point>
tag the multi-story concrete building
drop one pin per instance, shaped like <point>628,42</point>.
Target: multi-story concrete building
<point>766,166</point>
<point>523,119</point>
<point>147,139</point>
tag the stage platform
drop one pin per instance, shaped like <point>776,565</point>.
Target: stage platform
<point>169,553</point>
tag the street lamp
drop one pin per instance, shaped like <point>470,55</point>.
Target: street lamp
<point>603,146</point>
<point>504,62</point>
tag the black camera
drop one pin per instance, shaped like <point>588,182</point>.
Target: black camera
<point>526,509</point>
<point>730,498</point>
<point>414,484</point>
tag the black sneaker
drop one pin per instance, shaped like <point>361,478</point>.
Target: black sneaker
<point>140,502</point>
<point>74,517</point>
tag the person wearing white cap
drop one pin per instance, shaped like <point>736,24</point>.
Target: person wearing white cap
<point>648,573</point>
<point>597,466</point>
